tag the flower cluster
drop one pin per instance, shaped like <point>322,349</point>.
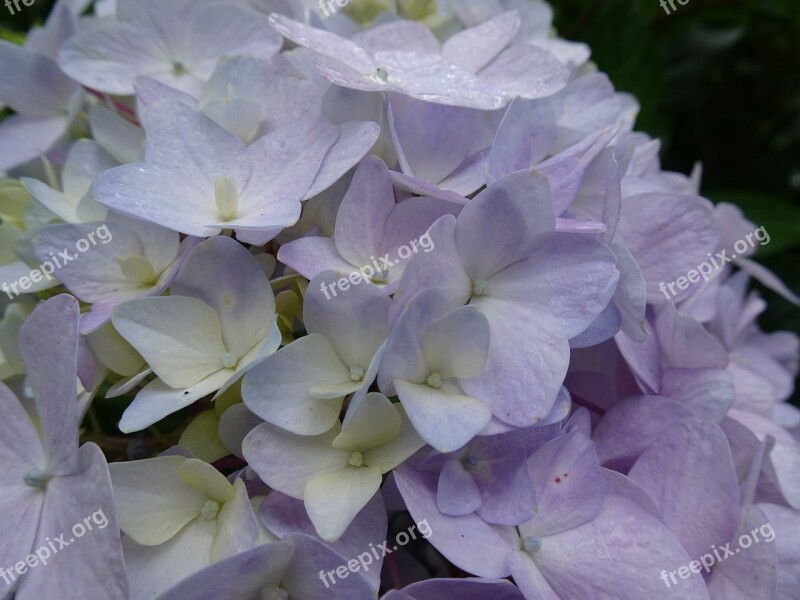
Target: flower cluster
<point>508,370</point>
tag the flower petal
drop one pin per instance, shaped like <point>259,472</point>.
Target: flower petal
<point>447,421</point>
<point>153,504</point>
<point>48,345</point>
<point>179,337</point>
<point>334,499</point>
<point>280,388</point>
<point>287,462</point>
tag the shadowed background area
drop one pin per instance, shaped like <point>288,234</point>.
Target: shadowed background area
<point>717,81</point>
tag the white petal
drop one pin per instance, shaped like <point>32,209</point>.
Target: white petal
<point>279,389</point>
<point>287,462</point>
<point>286,163</point>
<point>158,400</point>
<point>236,525</point>
<point>152,570</point>
<point>372,422</point>
<point>21,507</point>
<point>446,421</point>
<point>178,199</point>
<point>121,138</point>
<point>333,500</point>
<point>180,137</point>
<point>240,293</point>
<point>527,71</point>
<point>153,504</point>
<point>219,31</point>
<point>48,345</point>
<point>390,455</point>
<point>202,477</point>
<point>96,275</point>
<point>433,79</point>
<point>398,35</point>
<point>19,441</point>
<point>108,58</point>
<point>178,336</point>
<point>324,42</point>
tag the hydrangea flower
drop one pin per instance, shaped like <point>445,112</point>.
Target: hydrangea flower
<point>336,473</point>
<point>429,356</point>
<point>302,386</point>
<point>48,482</point>
<point>255,191</point>
<point>143,260</point>
<point>74,202</point>
<point>370,227</point>
<point>177,41</point>
<point>202,338</point>
<point>516,279</point>
<point>474,68</point>
<point>199,519</point>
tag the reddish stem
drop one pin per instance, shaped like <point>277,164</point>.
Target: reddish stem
<point>118,105</point>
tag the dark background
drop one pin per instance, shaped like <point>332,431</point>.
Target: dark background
<point>717,81</point>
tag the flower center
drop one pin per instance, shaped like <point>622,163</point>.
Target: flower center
<point>36,478</point>
<point>380,277</point>
<point>226,198</point>
<point>356,373</point>
<point>382,74</point>
<point>137,269</point>
<point>469,462</point>
<point>435,380</point>
<point>356,459</point>
<point>178,68</point>
<point>210,510</point>
<point>230,360</point>
<point>532,544</point>
<point>480,287</point>
<point>274,592</point>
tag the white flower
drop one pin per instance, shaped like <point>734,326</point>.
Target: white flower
<point>335,474</point>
